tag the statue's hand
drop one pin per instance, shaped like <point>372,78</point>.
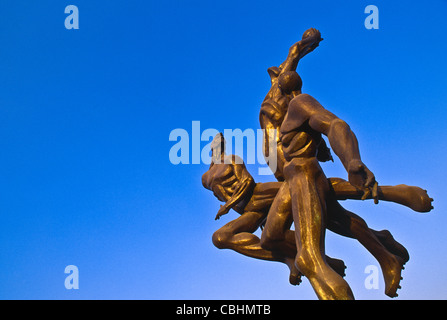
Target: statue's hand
<point>362,178</point>
<point>222,211</point>
<point>313,34</point>
<point>310,40</point>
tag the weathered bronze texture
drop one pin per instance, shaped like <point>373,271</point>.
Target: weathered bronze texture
<point>303,196</point>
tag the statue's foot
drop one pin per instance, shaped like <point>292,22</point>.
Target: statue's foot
<point>417,198</point>
<point>295,278</point>
<point>394,247</point>
<point>337,265</point>
<point>295,274</point>
<point>392,275</point>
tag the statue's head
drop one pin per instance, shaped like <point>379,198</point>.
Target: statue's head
<point>289,82</point>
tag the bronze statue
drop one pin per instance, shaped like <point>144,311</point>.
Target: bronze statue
<point>232,184</point>
<point>303,195</point>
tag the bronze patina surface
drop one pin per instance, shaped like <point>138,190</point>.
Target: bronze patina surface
<point>303,195</point>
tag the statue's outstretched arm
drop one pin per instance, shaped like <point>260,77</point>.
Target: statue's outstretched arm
<point>310,40</point>
<point>341,138</point>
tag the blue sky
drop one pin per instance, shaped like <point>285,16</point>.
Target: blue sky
<point>85,116</point>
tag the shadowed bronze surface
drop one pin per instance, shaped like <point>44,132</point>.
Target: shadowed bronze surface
<point>303,196</point>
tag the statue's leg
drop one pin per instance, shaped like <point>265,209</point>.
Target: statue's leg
<point>413,197</point>
<point>387,239</point>
<point>238,236</point>
<point>278,237</point>
<point>348,224</point>
<point>309,188</point>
